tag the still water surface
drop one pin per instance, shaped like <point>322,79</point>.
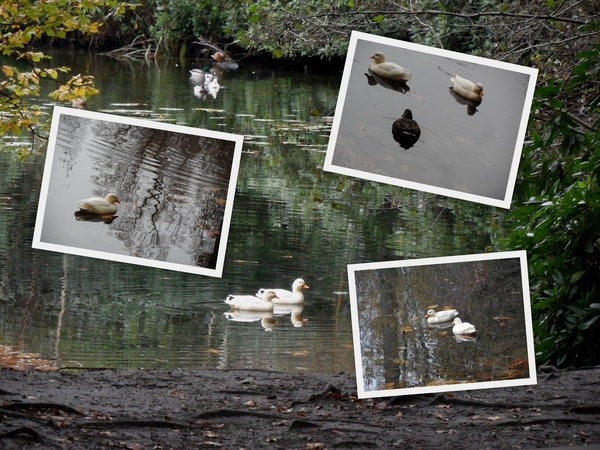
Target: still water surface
<point>399,349</point>
<point>290,219</point>
<point>456,151</point>
<point>172,188</point>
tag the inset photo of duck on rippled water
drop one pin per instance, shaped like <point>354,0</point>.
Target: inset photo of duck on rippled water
<point>138,191</point>
<point>442,324</point>
<point>430,119</point>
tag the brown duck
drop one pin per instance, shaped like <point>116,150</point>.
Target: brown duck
<point>406,131</point>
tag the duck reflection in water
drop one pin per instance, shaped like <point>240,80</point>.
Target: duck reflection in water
<point>395,85</point>
<point>295,312</point>
<point>266,318</point>
<point>464,338</point>
<point>406,131</point>
<point>88,217</point>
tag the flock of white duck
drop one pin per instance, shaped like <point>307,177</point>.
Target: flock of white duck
<point>405,130</point>
<point>205,81</point>
<point>269,302</point>
<point>266,299</point>
<point>463,331</point>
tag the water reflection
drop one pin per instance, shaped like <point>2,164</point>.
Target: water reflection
<point>266,318</point>
<point>395,85</point>
<point>472,155</point>
<point>294,311</point>
<point>88,217</point>
<point>289,218</point>
<point>269,318</point>
<point>172,186</point>
<point>465,338</point>
<point>400,349</point>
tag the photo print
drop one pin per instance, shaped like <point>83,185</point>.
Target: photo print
<point>137,191</point>
<point>442,324</point>
<point>430,119</point>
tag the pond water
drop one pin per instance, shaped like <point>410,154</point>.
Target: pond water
<point>172,189</point>
<point>456,151</point>
<point>400,349</point>
<point>290,219</point>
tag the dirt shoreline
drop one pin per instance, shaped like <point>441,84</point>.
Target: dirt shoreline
<point>253,409</point>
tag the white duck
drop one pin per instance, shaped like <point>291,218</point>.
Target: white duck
<point>252,303</point>
<point>389,70</point>
<point>288,297</point>
<point>441,316</point>
<point>98,205</point>
<point>467,89</point>
<point>461,327</point>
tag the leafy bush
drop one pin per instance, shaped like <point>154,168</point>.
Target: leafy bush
<point>559,223</point>
<point>181,21</point>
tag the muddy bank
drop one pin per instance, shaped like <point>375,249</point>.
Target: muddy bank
<point>250,409</point>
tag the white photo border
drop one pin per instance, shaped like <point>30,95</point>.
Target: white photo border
<point>501,203</point>
<point>531,379</point>
<point>238,141</point>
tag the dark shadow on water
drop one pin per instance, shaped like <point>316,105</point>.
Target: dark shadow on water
<point>87,217</point>
<point>399,86</point>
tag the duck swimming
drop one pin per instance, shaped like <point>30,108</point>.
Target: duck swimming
<point>441,316</point>
<point>252,303</point>
<point>406,131</point>
<point>97,205</point>
<point>461,327</point>
<point>389,70</point>
<point>201,77</point>
<point>467,89</point>
<point>284,296</point>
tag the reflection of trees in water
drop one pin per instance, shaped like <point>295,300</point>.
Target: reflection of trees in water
<point>173,189</point>
<point>390,319</point>
<point>399,349</point>
<point>70,139</point>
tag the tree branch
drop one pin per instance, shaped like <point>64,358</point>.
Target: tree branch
<point>455,14</point>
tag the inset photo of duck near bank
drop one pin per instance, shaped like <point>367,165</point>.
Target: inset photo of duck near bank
<point>441,324</point>
<point>137,191</point>
<point>430,119</point>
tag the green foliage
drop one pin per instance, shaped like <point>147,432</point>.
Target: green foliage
<point>558,223</point>
<point>23,23</point>
<point>322,28</point>
<point>304,28</point>
<point>183,20</point>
